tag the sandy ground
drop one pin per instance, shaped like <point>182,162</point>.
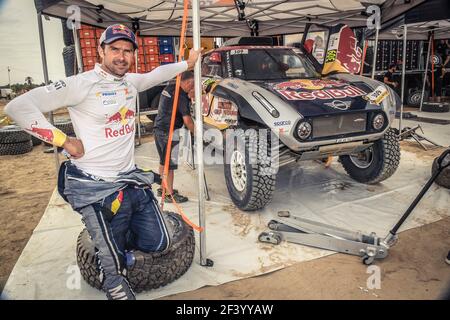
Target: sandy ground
<point>414,270</point>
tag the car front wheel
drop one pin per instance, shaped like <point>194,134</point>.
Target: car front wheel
<point>249,173</point>
<point>376,163</point>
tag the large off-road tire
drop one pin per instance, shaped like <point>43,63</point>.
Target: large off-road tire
<point>376,163</point>
<point>249,172</point>
<point>150,270</point>
<point>65,126</point>
<point>13,134</point>
<point>154,106</point>
<point>16,148</point>
<point>69,57</point>
<point>67,33</point>
<point>443,179</point>
<point>35,141</point>
<point>435,107</point>
<point>413,99</point>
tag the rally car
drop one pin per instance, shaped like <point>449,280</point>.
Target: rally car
<point>293,104</point>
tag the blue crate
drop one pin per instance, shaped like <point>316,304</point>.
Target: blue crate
<point>164,41</point>
<point>165,49</point>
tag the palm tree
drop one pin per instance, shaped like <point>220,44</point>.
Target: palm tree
<point>29,80</point>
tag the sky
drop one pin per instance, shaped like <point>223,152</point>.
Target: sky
<point>19,43</point>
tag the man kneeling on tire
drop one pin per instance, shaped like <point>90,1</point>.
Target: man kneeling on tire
<point>101,181</point>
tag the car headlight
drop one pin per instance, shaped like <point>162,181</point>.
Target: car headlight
<point>304,130</point>
<point>378,122</point>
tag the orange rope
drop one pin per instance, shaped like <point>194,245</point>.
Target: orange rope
<point>363,58</point>
<point>172,126</point>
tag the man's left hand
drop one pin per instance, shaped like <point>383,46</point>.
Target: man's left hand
<point>191,94</point>
<point>193,57</point>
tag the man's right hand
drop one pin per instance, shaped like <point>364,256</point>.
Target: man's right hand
<point>74,146</point>
<point>194,55</point>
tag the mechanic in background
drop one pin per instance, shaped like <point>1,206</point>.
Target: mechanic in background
<point>162,126</point>
<point>389,77</point>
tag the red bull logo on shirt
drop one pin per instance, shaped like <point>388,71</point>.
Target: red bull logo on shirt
<point>122,117</point>
<point>55,136</point>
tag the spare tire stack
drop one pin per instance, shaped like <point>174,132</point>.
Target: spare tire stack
<point>14,140</point>
<point>65,126</point>
<point>435,107</point>
<point>69,56</point>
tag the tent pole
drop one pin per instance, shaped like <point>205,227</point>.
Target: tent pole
<point>77,49</point>
<point>138,102</point>
<point>405,31</point>
<point>375,49</point>
<point>426,72</point>
<point>199,132</point>
<point>45,69</point>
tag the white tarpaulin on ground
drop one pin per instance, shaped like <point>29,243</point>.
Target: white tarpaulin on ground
<point>47,267</point>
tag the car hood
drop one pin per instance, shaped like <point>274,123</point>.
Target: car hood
<point>313,97</point>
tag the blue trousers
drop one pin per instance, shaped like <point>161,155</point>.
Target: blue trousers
<point>127,219</point>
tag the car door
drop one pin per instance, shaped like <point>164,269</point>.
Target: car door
<point>332,49</point>
<point>212,70</point>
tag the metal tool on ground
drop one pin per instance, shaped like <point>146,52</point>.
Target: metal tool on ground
<point>298,230</point>
<point>408,132</point>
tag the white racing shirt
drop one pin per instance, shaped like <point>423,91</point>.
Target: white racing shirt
<point>102,108</point>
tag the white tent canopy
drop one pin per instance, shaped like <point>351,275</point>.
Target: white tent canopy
<point>419,31</point>
<point>225,18</point>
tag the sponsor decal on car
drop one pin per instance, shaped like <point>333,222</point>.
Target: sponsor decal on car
<point>325,94</point>
<point>282,126</point>
<point>343,54</point>
<point>338,104</point>
<point>239,51</point>
<point>223,111</point>
<point>314,84</point>
<point>228,63</point>
<point>331,56</point>
<point>282,123</point>
<point>377,96</point>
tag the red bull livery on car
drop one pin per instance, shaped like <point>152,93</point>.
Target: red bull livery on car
<point>309,103</point>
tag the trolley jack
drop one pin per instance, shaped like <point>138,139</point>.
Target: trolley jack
<point>294,229</point>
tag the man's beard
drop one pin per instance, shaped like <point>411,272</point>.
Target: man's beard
<point>113,67</point>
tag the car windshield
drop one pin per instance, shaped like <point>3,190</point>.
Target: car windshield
<point>271,64</point>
